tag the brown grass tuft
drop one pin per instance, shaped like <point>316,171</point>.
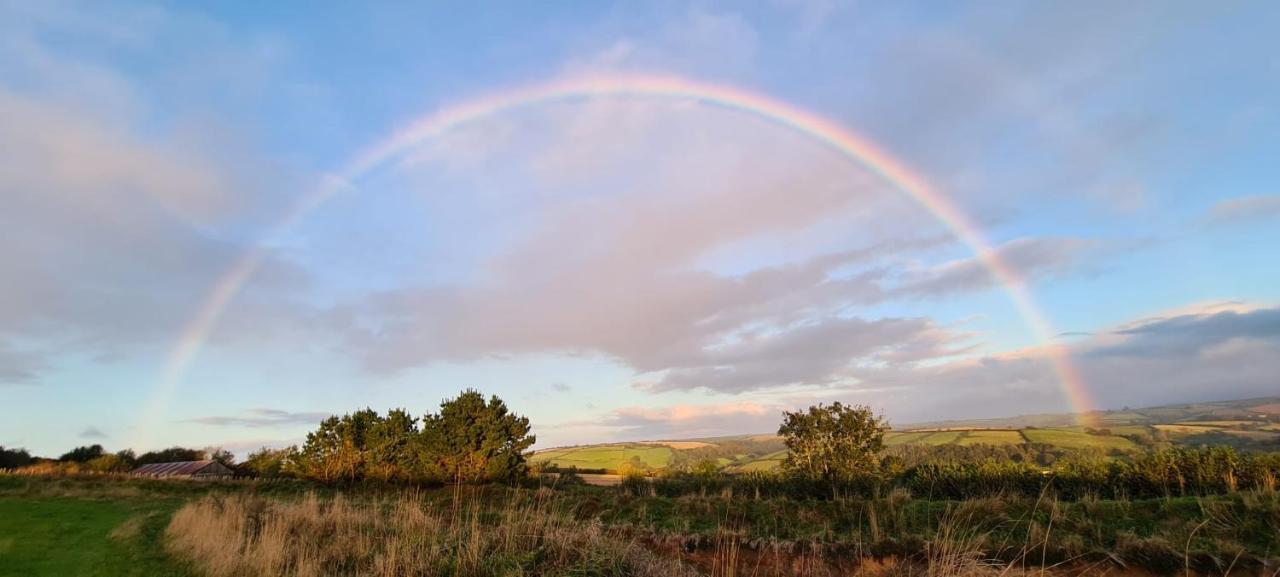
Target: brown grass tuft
<point>246,535</point>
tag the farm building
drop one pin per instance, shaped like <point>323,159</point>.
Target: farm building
<point>207,469</point>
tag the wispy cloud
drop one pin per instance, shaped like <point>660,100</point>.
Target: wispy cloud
<point>20,367</point>
<point>1030,258</point>
<point>1244,208</point>
<point>262,418</point>
<point>92,433</point>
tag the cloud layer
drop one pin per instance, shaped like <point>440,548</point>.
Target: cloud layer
<point>1200,353</point>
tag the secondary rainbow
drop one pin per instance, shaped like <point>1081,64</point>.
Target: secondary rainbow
<point>441,121</point>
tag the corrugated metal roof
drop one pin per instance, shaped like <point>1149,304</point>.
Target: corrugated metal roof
<point>182,468</point>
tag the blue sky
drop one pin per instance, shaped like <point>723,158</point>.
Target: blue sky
<point>627,268</point>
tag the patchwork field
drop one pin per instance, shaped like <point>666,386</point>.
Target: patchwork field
<point>1071,439</point>
<point>1185,429</point>
<point>991,438</point>
<point>1245,424</point>
<point>610,457</point>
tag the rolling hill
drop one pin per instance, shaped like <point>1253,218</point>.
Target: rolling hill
<point>1247,423</point>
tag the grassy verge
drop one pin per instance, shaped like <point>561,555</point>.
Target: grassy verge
<point>120,526</point>
<point>90,537</point>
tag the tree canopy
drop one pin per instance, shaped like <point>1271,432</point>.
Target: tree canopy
<point>470,440</point>
<point>832,442</point>
<point>82,454</point>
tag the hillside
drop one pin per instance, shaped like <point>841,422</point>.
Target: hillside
<point>1246,424</point>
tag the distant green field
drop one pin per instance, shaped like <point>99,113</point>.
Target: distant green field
<point>82,537</point>
<point>1122,417</point>
<point>991,438</point>
<point>1232,423</point>
<point>610,457</point>
<point>1237,423</point>
<point>760,465</point>
<point>1181,429</point>
<point>940,437</point>
<point>1129,429</point>
<point>904,438</point>
<point>1068,439</point>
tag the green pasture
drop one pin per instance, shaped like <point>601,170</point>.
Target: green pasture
<point>610,457</point>
<point>1069,439</point>
<point>59,537</point>
<point>991,437</point>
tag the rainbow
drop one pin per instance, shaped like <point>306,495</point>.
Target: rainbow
<point>820,129</point>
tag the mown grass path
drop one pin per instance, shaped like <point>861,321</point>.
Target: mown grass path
<point>65,536</point>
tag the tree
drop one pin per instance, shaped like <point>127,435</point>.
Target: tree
<point>471,440</point>
<point>109,463</point>
<point>833,442</point>
<point>266,462</point>
<point>220,455</point>
<point>389,446</point>
<point>170,455</point>
<point>14,458</point>
<point>82,454</point>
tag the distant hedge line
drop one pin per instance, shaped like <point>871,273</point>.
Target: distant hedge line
<point>1168,472</point>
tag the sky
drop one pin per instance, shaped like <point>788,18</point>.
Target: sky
<point>220,226</point>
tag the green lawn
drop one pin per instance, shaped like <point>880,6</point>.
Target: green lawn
<point>50,536</point>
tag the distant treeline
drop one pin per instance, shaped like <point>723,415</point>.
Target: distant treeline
<point>1162,473</point>
<point>95,458</point>
<point>469,440</point>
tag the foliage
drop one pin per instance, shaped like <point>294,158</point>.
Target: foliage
<point>470,440</point>
<point>506,531</point>
<point>170,455</point>
<point>832,442</point>
<point>111,463</point>
<point>1164,473</point>
<point>267,463</point>
<point>220,455</point>
<point>82,454</point>
<point>14,458</point>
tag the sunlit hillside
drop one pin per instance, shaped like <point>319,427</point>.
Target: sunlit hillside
<point>1251,424</point>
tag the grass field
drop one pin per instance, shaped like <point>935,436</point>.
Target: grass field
<point>941,437</point>
<point>1122,417</point>
<point>1183,429</point>
<point>903,438</point>
<point>1069,439</point>
<point>611,457</point>
<point>1129,429</point>
<point>169,529</point>
<point>992,437</point>
<point>82,537</point>
<point>660,454</point>
<point>1228,424</point>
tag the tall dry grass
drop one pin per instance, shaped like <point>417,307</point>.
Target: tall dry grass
<point>470,535</point>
